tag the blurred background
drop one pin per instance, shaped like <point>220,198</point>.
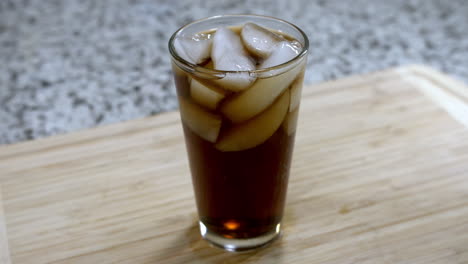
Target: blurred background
<point>70,65</point>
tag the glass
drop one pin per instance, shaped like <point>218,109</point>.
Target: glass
<point>239,144</point>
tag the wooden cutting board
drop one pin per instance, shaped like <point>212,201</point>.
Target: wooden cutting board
<point>380,175</point>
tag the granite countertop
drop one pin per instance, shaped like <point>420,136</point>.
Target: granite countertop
<point>70,65</point>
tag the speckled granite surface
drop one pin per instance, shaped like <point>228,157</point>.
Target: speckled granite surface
<point>70,65</point>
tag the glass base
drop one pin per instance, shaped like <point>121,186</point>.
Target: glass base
<point>237,245</point>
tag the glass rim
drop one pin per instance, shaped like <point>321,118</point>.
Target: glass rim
<point>192,66</point>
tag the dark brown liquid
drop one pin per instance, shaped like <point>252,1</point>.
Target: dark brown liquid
<point>240,194</point>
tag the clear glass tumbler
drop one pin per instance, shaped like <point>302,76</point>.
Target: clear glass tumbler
<point>239,143</point>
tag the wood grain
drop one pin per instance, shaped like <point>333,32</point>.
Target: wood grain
<point>379,176</point>
<point>4,248</point>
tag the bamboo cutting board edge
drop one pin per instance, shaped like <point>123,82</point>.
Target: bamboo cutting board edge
<point>448,93</point>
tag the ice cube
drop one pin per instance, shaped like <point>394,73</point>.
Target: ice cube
<point>228,54</point>
<point>257,130</point>
<point>195,49</point>
<point>236,82</point>
<point>296,90</point>
<point>259,41</point>
<point>290,124</point>
<point>205,95</point>
<point>282,53</point>
<point>260,96</point>
<point>203,123</point>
